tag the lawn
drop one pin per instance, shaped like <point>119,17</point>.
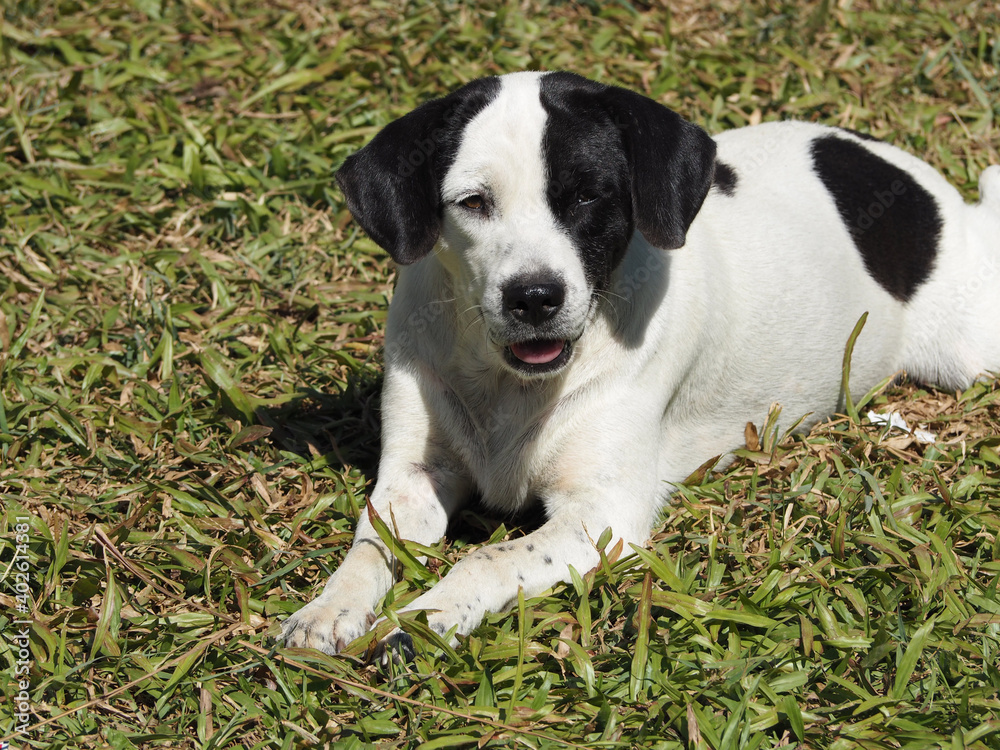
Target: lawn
<point>190,333</point>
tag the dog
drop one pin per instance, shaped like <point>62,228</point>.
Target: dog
<point>595,297</point>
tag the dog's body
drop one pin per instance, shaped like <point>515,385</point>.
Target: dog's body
<point>613,296</point>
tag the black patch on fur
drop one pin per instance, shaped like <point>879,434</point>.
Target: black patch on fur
<point>393,185</point>
<point>725,178</point>
<point>618,161</point>
<point>894,222</point>
<point>589,185</point>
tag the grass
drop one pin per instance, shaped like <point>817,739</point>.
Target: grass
<point>190,328</point>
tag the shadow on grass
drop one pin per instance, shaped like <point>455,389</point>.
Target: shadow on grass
<point>344,426</point>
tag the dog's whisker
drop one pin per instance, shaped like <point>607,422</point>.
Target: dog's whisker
<point>608,295</point>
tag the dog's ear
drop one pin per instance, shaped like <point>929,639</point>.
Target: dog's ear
<point>393,185</point>
<point>672,163</point>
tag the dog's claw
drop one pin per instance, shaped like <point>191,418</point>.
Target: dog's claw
<point>324,628</point>
<point>295,634</point>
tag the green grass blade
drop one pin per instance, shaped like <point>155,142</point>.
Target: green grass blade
<point>397,547</point>
<point>29,329</point>
<point>908,663</point>
<point>637,675</point>
<point>235,401</point>
<point>845,382</point>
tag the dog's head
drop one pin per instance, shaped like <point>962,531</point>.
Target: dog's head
<point>532,186</point>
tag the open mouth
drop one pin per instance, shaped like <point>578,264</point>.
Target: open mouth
<point>538,356</point>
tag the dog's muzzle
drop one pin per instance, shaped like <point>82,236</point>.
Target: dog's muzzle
<point>534,345</point>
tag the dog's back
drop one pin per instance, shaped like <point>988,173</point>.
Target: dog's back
<point>921,261</point>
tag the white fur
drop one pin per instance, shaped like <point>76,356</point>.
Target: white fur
<point>755,308</point>
<point>523,237</point>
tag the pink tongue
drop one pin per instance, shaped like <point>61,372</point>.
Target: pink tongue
<point>537,352</point>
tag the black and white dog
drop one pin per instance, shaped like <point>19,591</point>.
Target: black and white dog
<point>595,298</point>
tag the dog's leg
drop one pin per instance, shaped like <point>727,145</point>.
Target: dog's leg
<point>953,336</point>
<point>415,501</point>
<point>417,491</point>
<point>988,268</point>
<point>488,579</point>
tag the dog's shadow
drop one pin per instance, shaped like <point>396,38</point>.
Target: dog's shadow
<point>342,425</point>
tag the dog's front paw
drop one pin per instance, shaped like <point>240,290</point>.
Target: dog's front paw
<point>325,626</point>
<point>396,647</point>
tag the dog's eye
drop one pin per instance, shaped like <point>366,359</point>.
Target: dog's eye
<point>582,199</point>
<point>473,203</point>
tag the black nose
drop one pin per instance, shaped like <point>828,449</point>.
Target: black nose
<point>533,303</point>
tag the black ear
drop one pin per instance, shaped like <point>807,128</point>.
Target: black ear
<point>672,163</point>
<point>393,185</point>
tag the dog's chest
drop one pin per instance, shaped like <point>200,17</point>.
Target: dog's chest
<point>505,436</point>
